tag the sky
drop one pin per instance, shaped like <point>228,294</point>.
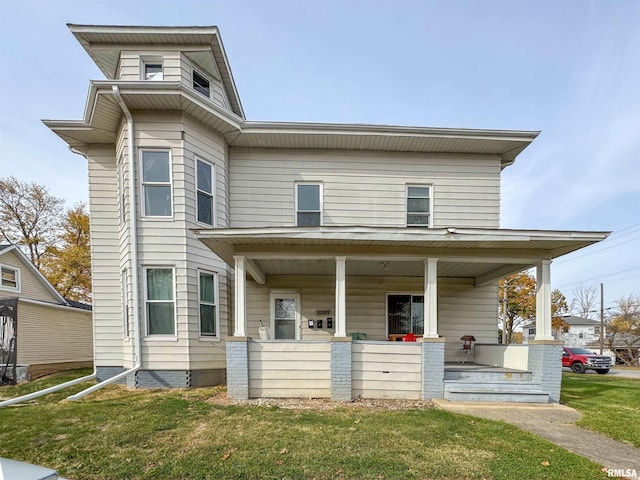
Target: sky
<point>570,69</point>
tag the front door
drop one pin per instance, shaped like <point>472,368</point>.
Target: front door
<point>405,314</point>
<point>285,316</point>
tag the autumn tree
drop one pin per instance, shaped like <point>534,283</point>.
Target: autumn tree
<point>623,330</point>
<point>517,294</point>
<point>30,217</point>
<point>67,265</point>
<point>517,297</point>
<point>559,307</point>
<point>584,300</point>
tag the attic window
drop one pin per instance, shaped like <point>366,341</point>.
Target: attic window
<point>201,84</point>
<point>9,278</point>
<point>153,71</point>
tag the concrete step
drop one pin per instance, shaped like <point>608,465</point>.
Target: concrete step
<point>517,396</point>
<point>513,386</point>
<point>487,375</point>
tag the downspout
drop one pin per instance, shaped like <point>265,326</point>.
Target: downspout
<point>133,239</point>
<point>70,383</point>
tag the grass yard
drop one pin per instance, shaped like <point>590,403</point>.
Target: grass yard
<point>198,434</point>
<point>609,405</point>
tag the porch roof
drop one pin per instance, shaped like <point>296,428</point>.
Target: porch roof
<point>484,254</point>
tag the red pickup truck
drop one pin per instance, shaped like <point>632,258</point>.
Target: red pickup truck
<point>580,359</point>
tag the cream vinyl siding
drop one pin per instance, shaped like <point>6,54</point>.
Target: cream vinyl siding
<point>30,286</point>
<point>53,335</point>
<point>131,64</point>
<point>386,370</point>
<point>462,308</point>
<point>363,187</point>
<point>290,369</point>
<point>105,255</point>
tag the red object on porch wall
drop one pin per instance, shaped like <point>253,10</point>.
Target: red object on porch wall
<point>409,337</point>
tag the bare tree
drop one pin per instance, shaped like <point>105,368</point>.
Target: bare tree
<point>623,331</point>
<point>585,298</point>
<point>29,216</point>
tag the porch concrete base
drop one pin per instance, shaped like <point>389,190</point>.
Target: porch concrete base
<point>545,364</point>
<point>341,369</point>
<point>238,367</point>
<point>432,368</point>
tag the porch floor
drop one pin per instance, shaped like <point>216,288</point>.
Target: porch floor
<point>476,367</point>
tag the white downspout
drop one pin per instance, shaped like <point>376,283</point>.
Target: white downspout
<point>70,383</point>
<point>133,239</point>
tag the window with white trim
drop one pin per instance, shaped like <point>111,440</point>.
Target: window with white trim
<point>200,83</point>
<point>205,179</point>
<point>418,206</point>
<point>152,70</point>
<point>156,183</point>
<point>207,285</point>
<point>160,301</point>
<point>9,278</point>
<point>124,285</point>
<point>308,204</point>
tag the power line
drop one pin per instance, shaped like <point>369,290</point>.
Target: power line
<point>605,246</point>
<point>602,276</point>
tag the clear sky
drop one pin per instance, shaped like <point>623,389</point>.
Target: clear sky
<point>570,69</point>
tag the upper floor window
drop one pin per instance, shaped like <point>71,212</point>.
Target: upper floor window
<point>156,183</point>
<point>201,84</point>
<point>205,181</point>
<point>308,204</point>
<point>9,278</point>
<point>152,70</point>
<point>159,301</point>
<point>418,206</point>
<point>208,310</point>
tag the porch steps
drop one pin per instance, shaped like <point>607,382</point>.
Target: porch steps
<point>492,385</point>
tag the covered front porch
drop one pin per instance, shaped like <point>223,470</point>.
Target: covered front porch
<point>315,310</point>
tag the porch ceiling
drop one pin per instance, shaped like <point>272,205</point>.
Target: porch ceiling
<point>483,254</point>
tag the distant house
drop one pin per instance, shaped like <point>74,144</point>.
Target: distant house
<point>581,332</point>
<point>38,327</point>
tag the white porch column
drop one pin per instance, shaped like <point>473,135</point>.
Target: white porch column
<point>240,327</point>
<point>341,298</point>
<point>431,298</point>
<point>543,301</point>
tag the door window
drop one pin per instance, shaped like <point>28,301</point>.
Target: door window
<point>405,314</point>
<point>285,316</point>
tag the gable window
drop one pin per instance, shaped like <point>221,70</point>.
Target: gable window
<point>308,204</point>
<point>418,206</point>
<point>9,278</point>
<point>208,310</point>
<point>159,301</point>
<point>201,84</point>
<point>156,183</point>
<point>205,180</point>
<point>405,314</point>
<point>152,70</point>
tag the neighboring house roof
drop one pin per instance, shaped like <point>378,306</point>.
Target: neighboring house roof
<point>6,248</point>
<point>571,320</point>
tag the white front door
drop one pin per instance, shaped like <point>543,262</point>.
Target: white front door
<point>285,316</point>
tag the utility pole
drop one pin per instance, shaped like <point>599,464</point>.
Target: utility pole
<point>601,317</point>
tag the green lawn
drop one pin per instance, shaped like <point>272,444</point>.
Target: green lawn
<point>609,405</point>
<point>196,434</point>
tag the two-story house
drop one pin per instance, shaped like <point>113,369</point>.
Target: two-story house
<point>289,256</point>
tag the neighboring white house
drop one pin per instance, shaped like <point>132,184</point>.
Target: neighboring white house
<point>53,334</point>
<point>206,226</point>
<point>581,332</point>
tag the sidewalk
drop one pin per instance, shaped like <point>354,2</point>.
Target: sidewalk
<point>556,423</point>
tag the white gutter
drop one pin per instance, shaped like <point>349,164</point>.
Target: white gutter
<point>133,239</point>
<point>53,305</point>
